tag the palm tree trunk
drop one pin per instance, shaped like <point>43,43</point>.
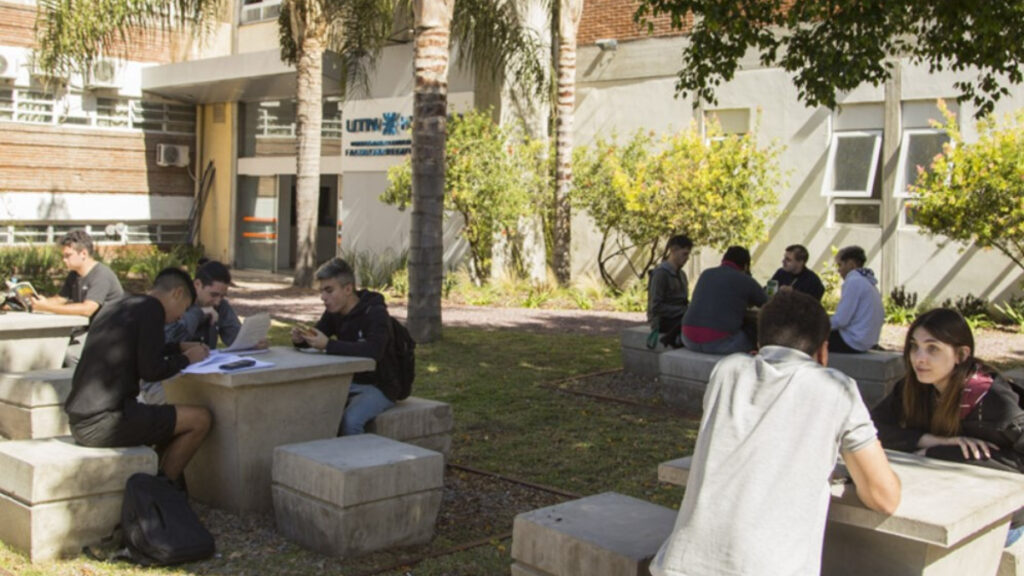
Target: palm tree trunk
<point>429,133</point>
<point>570,12</point>
<point>309,118</point>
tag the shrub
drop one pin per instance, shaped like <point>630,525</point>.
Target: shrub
<point>40,265</point>
<point>973,309</point>
<point>377,271</point>
<point>1013,311</point>
<point>900,306</point>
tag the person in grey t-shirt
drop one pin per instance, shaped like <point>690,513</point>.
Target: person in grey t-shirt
<point>89,285</point>
<point>773,425</point>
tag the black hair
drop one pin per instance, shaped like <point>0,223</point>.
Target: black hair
<point>738,255</point>
<point>679,241</point>
<point>799,252</point>
<point>855,253</point>
<point>170,278</point>
<point>794,320</point>
<point>78,240</point>
<point>211,271</point>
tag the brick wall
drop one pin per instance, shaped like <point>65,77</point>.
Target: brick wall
<point>614,19</point>
<point>58,159</point>
<point>18,20</point>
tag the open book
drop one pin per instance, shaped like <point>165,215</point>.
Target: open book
<point>20,295</point>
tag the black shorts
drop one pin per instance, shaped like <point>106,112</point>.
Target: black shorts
<point>136,425</point>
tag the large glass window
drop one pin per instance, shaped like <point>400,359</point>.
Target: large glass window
<point>917,151</point>
<point>851,178</point>
<point>78,108</point>
<point>270,129</point>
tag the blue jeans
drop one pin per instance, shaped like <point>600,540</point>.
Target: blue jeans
<point>737,342</point>
<point>365,402</point>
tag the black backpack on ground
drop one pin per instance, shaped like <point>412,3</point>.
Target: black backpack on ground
<point>158,526</point>
<point>398,366</point>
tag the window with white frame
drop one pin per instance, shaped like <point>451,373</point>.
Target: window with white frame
<point>259,10</point>
<point>922,141</point>
<point>32,105</point>
<point>850,178</point>
<point>730,121</point>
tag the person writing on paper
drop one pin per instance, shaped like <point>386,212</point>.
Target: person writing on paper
<point>354,323</point>
<point>125,345</point>
<point>773,424</point>
<point>89,285</point>
<point>211,315</point>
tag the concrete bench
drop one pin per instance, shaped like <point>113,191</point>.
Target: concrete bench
<point>56,496</point>
<point>636,356</point>
<point>356,494</point>
<point>930,534</point>
<point>425,423</point>
<point>1011,563</point>
<point>32,403</point>
<point>684,377</point>
<point>875,371</point>
<point>607,534</point>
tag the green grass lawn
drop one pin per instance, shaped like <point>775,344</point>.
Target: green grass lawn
<point>506,421</point>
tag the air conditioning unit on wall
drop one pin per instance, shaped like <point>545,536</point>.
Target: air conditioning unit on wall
<point>171,155</point>
<point>102,74</point>
<point>8,66</point>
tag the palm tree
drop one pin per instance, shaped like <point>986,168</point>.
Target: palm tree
<point>71,34</point>
<point>569,14</point>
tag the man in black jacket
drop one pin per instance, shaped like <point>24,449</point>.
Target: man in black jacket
<point>126,344</point>
<point>354,323</point>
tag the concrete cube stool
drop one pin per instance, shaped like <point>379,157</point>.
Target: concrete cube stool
<point>57,496</point>
<point>604,535</point>
<point>32,403</point>
<point>636,356</point>
<point>1012,561</point>
<point>356,494</point>
<point>425,423</point>
<point>875,371</point>
<point>684,377</point>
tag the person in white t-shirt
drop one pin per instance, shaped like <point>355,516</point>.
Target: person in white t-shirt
<point>773,426</point>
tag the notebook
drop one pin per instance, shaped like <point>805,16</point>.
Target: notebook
<point>254,329</point>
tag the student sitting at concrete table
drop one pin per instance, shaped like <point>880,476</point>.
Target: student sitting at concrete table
<point>354,323</point>
<point>713,322</point>
<point>126,344</point>
<point>795,275</point>
<point>857,322</point>
<point>668,291</point>
<point>773,424</point>
<point>951,405</point>
<point>89,285</point>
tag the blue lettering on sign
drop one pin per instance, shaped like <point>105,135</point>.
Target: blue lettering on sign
<point>389,124</point>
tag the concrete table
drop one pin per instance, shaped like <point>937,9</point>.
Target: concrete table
<point>300,398</point>
<point>952,520</point>
<point>35,341</point>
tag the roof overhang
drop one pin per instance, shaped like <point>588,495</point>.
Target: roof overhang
<point>235,78</point>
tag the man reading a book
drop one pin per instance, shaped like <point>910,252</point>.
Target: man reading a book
<point>89,285</point>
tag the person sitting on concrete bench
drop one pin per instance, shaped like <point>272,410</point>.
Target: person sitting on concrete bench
<point>126,344</point>
<point>795,275</point>
<point>354,323</point>
<point>668,291</point>
<point>952,406</point>
<point>857,322</point>
<point>89,285</point>
<point>773,424</point>
<point>713,322</point>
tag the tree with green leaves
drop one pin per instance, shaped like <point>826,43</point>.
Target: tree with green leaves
<point>493,178</point>
<point>974,192</point>
<point>717,189</point>
<point>73,33</point>
<point>831,46</point>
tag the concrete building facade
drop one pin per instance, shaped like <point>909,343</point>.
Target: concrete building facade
<point>94,153</point>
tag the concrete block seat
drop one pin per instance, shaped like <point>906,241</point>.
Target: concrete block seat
<point>31,403</point>
<point>356,494</point>
<point>57,496</point>
<point>684,377</point>
<point>1011,563</point>
<point>876,372</point>
<point>425,423</point>
<point>607,534</point>
<point>636,356</point>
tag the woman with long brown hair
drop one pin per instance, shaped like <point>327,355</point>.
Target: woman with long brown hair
<point>951,405</point>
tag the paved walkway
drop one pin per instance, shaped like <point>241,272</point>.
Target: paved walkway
<point>284,302</point>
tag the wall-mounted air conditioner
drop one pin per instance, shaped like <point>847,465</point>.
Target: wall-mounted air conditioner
<point>171,155</point>
<point>102,75</point>
<point>8,65</point>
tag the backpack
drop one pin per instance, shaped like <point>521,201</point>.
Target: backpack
<point>398,368</point>
<point>158,526</point>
